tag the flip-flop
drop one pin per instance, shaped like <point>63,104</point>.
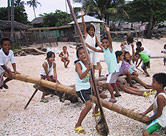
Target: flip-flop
<point>117,95</point>
<point>78,129</point>
<point>96,114</point>
<point>45,100</point>
<point>113,101</point>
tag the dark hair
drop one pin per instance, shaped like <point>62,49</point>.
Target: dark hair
<point>80,48</point>
<point>130,39</point>
<point>49,54</point>
<point>90,26</point>
<point>139,43</point>
<point>105,38</point>
<point>138,49</point>
<point>160,78</point>
<point>137,54</point>
<point>164,45</point>
<point>5,39</point>
<point>118,53</point>
<point>64,47</point>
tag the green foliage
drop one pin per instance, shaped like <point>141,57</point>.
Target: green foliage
<point>58,18</point>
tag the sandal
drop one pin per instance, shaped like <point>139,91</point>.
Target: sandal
<point>96,114</point>
<point>113,101</point>
<point>79,129</point>
<point>44,101</point>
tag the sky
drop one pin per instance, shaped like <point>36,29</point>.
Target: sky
<point>47,6</point>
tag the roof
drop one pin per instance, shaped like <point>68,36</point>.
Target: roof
<point>37,20</point>
<point>89,19</point>
<point>5,24</point>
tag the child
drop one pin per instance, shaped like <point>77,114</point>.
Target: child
<point>90,39</point>
<point>146,60</point>
<point>158,119</point>
<point>143,49</point>
<point>65,56</point>
<point>83,87</point>
<point>46,71</point>
<point>6,55</point>
<point>110,58</point>
<point>164,51</point>
<point>127,45</point>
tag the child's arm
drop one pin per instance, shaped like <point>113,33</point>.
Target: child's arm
<point>8,71</point>
<point>14,68</point>
<point>79,70</point>
<point>109,36</point>
<point>122,45</point>
<point>83,23</point>
<point>94,49</point>
<point>98,43</point>
<point>60,55</point>
<point>46,70</point>
<point>55,74</point>
<point>133,52</point>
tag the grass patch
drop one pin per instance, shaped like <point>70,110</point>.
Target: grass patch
<point>15,48</point>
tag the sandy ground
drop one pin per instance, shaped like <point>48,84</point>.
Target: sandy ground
<point>58,119</point>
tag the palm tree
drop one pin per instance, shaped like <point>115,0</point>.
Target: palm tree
<point>103,8</point>
<point>34,4</point>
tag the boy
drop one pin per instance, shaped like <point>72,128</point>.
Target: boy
<point>127,45</point>
<point>164,51</point>
<point>158,119</point>
<point>110,58</point>
<point>143,49</point>
<point>65,56</point>
<point>6,55</point>
<point>146,60</point>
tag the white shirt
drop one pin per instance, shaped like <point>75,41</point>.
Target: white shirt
<point>128,48</point>
<point>146,51</point>
<point>43,72</point>
<point>4,59</point>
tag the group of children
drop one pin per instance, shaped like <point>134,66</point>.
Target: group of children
<point>118,63</point>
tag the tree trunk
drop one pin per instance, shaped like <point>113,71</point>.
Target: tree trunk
<point>9,10</point>
<point>150,25</point>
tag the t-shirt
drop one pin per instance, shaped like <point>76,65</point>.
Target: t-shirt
<point>146,51</point>
<point>144,57</point>
<point>125,67</point>
<point>4,59</point>
<point>111,61</point>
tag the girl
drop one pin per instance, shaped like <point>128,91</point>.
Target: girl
<point>127,45</point>
<point>90,39</point>
<point>83,87</point>
<point>46,71</point>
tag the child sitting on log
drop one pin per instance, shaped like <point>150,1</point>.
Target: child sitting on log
<point>6,55</point>
<point>46,72</point>
<point>158,119</point>
<point>65,56</point>
<point>83,87</point>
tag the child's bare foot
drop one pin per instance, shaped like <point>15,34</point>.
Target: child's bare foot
<point>103,95</point>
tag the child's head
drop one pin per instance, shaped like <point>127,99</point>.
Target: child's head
<point>138,49</point>
<point>90,30</point>
<point>64,48</point>
<point>81,55</point>
<point>136,56</point>
<point>159,81</point>
<point>78,46</point>
<point>119,55</point>
<point>130,40</point>
<point>6,44</point>
<point>105,42</point>
<point>139,44</point>
<point>50,56</point>
<point>127,56</point>
<point>165,46</point>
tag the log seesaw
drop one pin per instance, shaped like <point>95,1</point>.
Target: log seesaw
<point>71,90</point>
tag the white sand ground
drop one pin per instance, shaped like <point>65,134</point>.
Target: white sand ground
<point>58,119</point>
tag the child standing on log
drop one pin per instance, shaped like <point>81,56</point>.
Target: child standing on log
<point>65,56</point>
<point>158,119</point>
<point>83,87</point>
<point>6,55</point>
<point>110,58</point>
<point>46,72</point>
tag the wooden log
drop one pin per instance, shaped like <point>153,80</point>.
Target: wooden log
<point>119,109</point>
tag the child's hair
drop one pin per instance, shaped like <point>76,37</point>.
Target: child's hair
<point>118,53</point>
<point>5,39</point>
<point>165,46</point>
<point>137,53</point>
<point>49,54</point>
<point>126,52</point>
<point>130,39</point>
<point>64,47</point>
<point>138,49</point>
<point>105,38</point>
<point>80,48</point>
<point>90,26</point>
<point>160,78</point>
<point>139,44</point>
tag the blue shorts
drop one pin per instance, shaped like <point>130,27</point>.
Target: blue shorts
<point>154,126</point>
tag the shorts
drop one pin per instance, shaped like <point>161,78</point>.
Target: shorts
<point>112,78</point>
<point>164,60</point>
<point>98,66</point>
<point>154,126</point>
<point>84,95</point>
<point>52,78</point>
<point>145,65</point>
<point>93,58</point>
<point>1,79</point>
<point>64,59</point>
